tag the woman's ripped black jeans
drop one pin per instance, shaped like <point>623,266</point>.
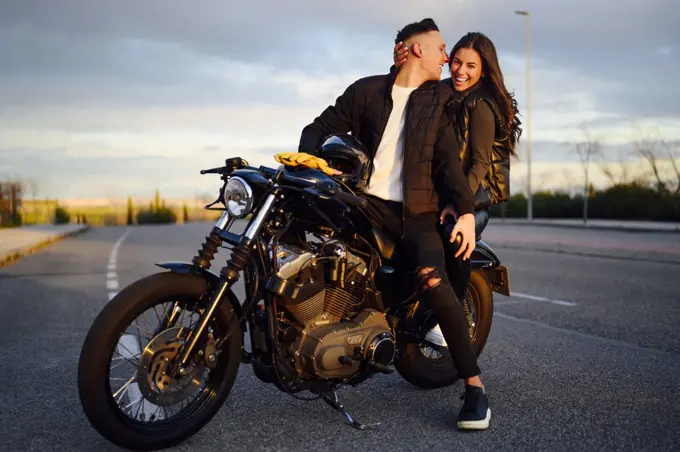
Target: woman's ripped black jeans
<point>423,244</point>
<point>458,269</point>
<point>424,249</point>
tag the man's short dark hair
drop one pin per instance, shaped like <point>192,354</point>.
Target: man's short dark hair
<point>424,26</point>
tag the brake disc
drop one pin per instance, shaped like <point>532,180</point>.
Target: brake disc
<point>153,376</point>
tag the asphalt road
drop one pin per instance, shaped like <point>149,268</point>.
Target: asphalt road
<point>586,357</point>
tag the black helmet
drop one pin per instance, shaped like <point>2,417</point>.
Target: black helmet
<point>345,153</point>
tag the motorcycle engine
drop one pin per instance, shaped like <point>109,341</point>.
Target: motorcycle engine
<point>336,332</point>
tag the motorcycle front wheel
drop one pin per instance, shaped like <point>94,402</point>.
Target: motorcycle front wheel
<point>124,388</point>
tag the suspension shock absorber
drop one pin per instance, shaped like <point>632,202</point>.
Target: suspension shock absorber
<point>208,250</point>
<point>212,242</point>
<point>229,275</point>
<point>236,263</point>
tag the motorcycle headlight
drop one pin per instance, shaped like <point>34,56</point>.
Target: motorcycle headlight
<point>238,197</point>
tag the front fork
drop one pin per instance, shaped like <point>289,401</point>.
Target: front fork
<point>229,273</point>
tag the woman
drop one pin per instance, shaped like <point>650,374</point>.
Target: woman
<point>487,118</point>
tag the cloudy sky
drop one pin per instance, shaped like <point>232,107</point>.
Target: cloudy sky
<point>110,98</point>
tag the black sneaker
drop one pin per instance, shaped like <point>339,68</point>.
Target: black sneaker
<point>475,414</point>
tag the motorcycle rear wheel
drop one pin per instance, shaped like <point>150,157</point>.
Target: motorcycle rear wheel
<point>107,412</point>
<point>417,365</point>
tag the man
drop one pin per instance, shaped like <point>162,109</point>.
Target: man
<point>402,120</point>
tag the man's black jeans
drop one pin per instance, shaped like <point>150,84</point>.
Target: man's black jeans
<point>422,244</point>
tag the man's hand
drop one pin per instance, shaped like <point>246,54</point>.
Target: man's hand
<point>448,210</point>
<point>400,54</point>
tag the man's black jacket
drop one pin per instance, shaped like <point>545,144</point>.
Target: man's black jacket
<point>432,174</point>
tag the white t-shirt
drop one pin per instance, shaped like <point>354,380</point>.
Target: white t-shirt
<point>387,164</point>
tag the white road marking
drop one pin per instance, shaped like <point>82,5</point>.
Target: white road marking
<point>114,250</point>
<point>128,346</point>
<point>615,342</point>
<point>112,276</point>
<point>112,284</point>
<point>526,296</point>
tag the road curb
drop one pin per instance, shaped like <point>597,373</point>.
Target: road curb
<point>674,230</point>
<point>15,255</point>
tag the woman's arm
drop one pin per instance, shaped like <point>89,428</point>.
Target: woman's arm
<point>482,133</point>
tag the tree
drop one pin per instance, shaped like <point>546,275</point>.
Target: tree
<point>658,153</point>
<point>670,150</point>
<point>157,201</point>
<point>61,216</point>
<point>617,172</point>
<point>10,203</point>
<point>586,151</point>
<point>130,213</point>
<point>185,211</point>
<point>33,187</point>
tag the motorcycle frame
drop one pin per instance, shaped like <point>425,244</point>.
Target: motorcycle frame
<point>243,247</point>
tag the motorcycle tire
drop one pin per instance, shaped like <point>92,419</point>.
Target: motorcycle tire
<point>427,373</point>
<point>93,367</point>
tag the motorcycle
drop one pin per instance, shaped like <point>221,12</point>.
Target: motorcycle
<point>327,304</point>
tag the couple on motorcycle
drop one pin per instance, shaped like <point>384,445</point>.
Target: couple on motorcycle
<point>437,149</point>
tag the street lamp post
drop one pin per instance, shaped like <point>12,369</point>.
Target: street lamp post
<point>530,207</point>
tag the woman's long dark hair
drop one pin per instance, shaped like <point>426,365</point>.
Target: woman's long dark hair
<point>492,80</point>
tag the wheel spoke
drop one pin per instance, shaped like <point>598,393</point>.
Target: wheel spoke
<point>131,354</point>
<point>146,326</point>
<point>139,407</point>
<point>139,338</point>
<point>123,388</point>
<point>125,360</point>
<point>156,312</point>
<point>153,416</point>
<point>134,403</point>
<point>140,329</point>
<point>181,319</point>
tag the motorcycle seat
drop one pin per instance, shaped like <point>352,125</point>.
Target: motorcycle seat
<point>386,244</point>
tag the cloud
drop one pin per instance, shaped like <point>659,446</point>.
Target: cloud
<point>665,50</point>
<point>122,172</point>
<point>163,81</point>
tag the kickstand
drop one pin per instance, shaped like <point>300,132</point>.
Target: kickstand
<point>334,401</point>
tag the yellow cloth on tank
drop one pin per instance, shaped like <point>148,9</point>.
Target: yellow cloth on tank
<point>304,159</point>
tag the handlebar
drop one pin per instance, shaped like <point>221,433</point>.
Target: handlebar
<point>219,170</point>
<point>346,198</point>
<point>351,200</point>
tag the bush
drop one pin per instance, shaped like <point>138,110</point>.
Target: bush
<point>623,202</point>
<point>61,216</point>
<point>638,202</point>
<point>159,216</point>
